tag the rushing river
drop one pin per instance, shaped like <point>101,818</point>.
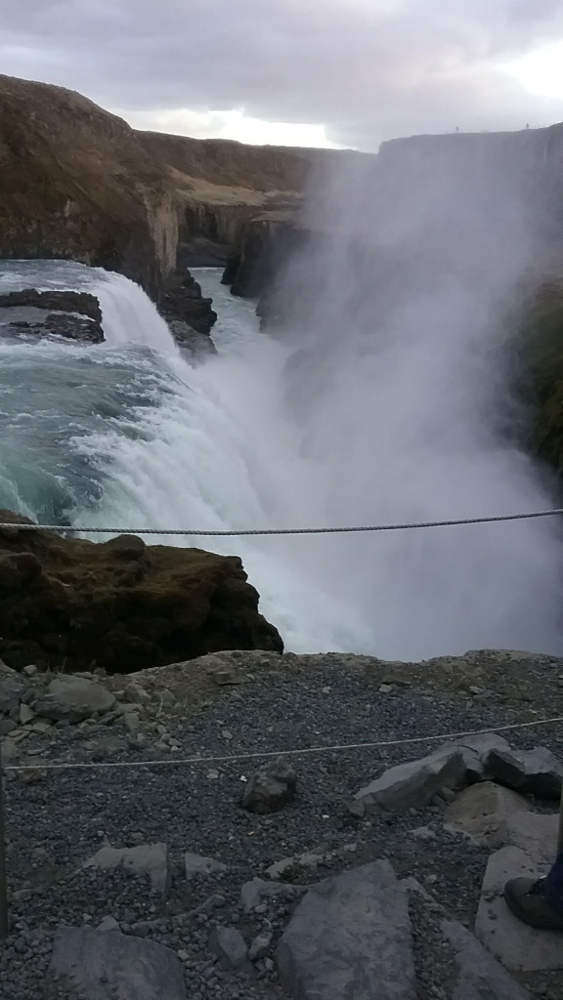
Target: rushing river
<point>129,434</point>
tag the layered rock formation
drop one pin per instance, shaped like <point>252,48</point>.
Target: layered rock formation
<point>121,605</point>
<point>79,183</point>
<point>222,187</point>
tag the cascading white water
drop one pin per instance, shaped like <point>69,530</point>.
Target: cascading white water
<point>129,434</point>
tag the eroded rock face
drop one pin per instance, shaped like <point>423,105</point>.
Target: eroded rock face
<point>77,184</point>
<point>181,300</point>
<point>120,605</point>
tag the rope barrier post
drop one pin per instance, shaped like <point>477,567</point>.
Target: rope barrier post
<point>3,877</point>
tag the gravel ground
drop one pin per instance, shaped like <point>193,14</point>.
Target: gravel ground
<point>57,820</point>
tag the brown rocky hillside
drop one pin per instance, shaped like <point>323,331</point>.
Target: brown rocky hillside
<point>77,183</point>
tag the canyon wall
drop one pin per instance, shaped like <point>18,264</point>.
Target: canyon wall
<point>77,184</point>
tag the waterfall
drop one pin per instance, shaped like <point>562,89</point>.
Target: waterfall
<point>128,433</point>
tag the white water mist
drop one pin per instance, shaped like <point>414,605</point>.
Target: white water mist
<point>400,389</point>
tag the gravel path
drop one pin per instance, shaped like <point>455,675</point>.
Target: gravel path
<point>56,821</point>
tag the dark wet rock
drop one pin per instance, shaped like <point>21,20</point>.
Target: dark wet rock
<point>102,965</point>
<point>120,605</point>
<point>74,328</point>
<point>197,346</point>
<point>181,299</point>
<point>63,301</point>
<point>72,315</point>
<point>270,788</point>
<point>351,936</point>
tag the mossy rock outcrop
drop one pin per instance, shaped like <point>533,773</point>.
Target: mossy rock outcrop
<point>70,604</point>
<point>539,342</point>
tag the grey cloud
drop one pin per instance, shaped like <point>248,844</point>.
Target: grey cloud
<point>368,69</point>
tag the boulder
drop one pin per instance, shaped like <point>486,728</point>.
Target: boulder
<point>113,966</point>
<point>517,946</point>
<point>451,767</point>
<point>533,772</point>
<point>494,816</point>
<point>122,605</point>
<point>74,699</point>
<point>350,937</point>
<point>479,975</point>
<point>415,783</point>
<point>145,859</point>
<point>270,788</point>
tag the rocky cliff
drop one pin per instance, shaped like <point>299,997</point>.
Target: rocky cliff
<point>223,187</point>
<point>121,605</point>
<point>76,183</point>
<point>79,183</point>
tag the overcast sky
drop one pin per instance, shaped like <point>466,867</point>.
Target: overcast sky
<point>317,72</point>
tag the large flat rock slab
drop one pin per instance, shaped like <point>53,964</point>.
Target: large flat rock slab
<point>108,965</point>
<point>517,946</point>
<point>350,939</point>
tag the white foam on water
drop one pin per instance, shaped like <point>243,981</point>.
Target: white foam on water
<point>222,446</point>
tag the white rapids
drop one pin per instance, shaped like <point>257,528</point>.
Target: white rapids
<point>129,434</point>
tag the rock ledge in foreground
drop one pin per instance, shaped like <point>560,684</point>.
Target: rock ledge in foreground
<point>121,605</point>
